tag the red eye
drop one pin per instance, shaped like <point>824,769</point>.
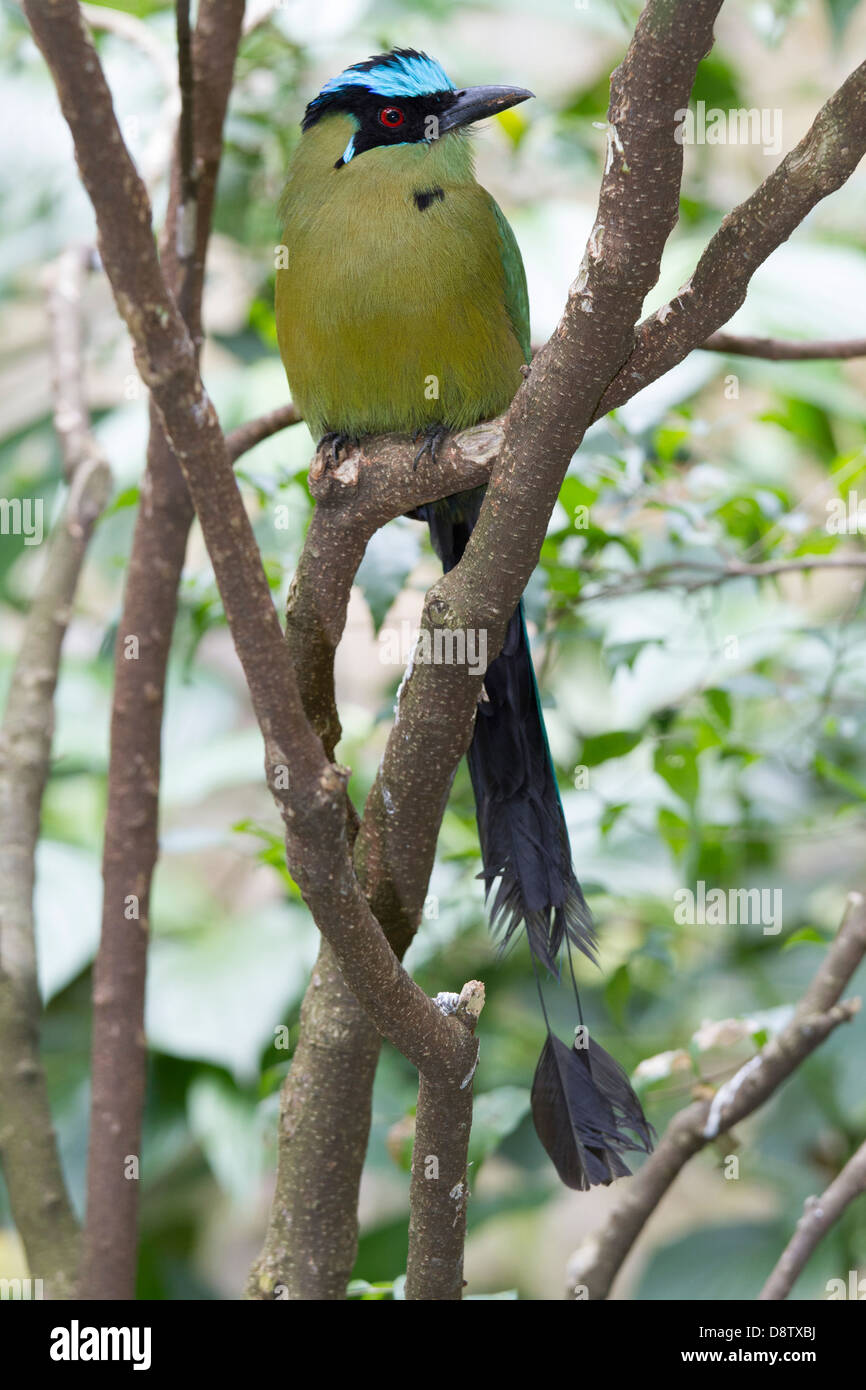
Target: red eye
<point>391,116</point>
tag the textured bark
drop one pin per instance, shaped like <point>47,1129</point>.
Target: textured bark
<point>31,1163</point>
<point>325,1107</point>
<point>396,843</point>
<point>569,377</point>
<point>825,158</point>
<point>439,1192</point>
<point>312,798</point>
<point>311,1240</point>
<point>119,1049</point>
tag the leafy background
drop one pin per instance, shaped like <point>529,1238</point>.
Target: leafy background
<point>717,735</point>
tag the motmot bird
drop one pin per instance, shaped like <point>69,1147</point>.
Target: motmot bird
<point>402,271</point>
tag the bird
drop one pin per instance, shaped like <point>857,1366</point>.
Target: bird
<point>402,306</point>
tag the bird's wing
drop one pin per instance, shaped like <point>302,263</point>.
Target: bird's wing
<point>516,294</point>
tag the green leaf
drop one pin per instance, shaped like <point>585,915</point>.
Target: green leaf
<point>370,1293</point>
<point>225,1122</point>
<point>675,831</point>
<point>389,559</point>
<point>680,1269</point>
<point>599,748</point>
<point>67,922</point>
<point>495,1115</point>
<point>677,764</point>
<point>626,653</point>
<point>611,815</point>
<point>839,777</point>
<point>217,992</point>
<point>616,993</point>
<point>127,497</point>
<point>514,124</point>
<point>804,934</point>
<point>716,82</point>
<point>719,702</point>
<point>671,444</point>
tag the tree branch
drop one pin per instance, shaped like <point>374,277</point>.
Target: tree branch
<point>246,436</point>
<point>824,159</point>
<point>672,575</point>
<point>780,350</point>
<point>325,1106</point>
<point>395,847</point>
<point>596,1262</point>
<point>31,1163</point>
<point>439,1191</point>
<point>187,215</point>
<point>311,796</point>
<point>374,483</point>
<point>819,1214</point>
<point>311,1239</point>
<point>637,208</point>
<point>141,659</point>
<point>134,31</point>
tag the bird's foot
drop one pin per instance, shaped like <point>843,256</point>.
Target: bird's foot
<point>330,445</point>
<point>327,460</point>
<point>433,436</point>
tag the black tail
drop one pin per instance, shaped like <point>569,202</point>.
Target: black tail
<point>582,1103</point>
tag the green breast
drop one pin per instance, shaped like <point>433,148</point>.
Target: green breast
<point>397,309</point>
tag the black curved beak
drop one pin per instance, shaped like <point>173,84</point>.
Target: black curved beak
<point>474,103</point>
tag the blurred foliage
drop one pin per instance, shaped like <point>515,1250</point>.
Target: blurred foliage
<point>716,735</point>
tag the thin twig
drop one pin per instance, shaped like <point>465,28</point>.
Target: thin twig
<point>819,1214</point>
<point>596,1262</point>
<point>31,1163</point>
<point>824,159</point>
<point>780,350</point>
<point>246,436</point>
<point>187,212</point>
<point>675,574</point>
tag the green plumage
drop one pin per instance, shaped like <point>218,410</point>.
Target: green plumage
<point>391,316</point>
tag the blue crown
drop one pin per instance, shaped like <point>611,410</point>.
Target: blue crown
<point>401,73</point>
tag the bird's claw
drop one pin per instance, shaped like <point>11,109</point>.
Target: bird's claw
<point>433,437</point>
<point>330,445</point>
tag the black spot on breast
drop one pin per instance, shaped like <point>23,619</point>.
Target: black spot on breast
<point>425,196</point>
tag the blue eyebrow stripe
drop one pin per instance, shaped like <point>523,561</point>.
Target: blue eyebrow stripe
<point>400,76</point>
